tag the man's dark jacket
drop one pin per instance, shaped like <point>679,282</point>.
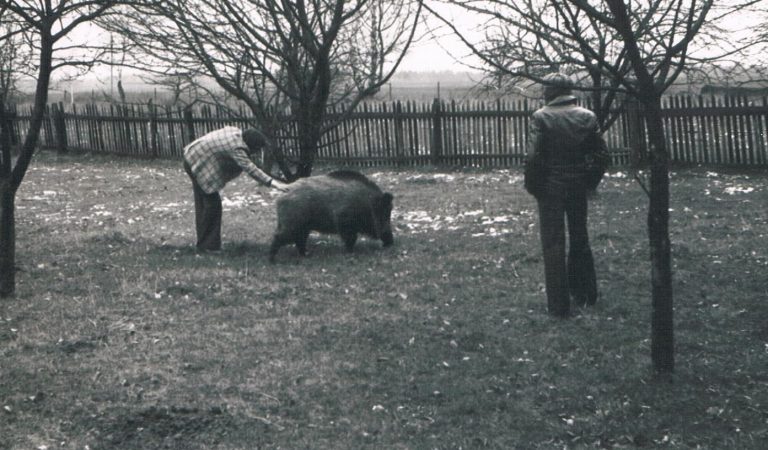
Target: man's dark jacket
<point>566,151</point>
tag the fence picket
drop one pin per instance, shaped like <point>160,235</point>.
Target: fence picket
<point>762,133</point>
<point>728,130</point>
<point>704,131</point>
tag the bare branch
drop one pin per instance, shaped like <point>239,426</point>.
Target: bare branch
<point>276,55</point>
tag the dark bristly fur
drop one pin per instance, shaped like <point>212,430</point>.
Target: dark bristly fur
<point>342,202</point>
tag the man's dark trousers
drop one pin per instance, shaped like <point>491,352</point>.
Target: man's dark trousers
<point>576,277</point>
<point>207,215</point>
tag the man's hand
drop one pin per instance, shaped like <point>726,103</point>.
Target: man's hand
<point>282,187</point>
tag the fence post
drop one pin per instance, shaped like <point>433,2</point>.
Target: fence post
<point>189,124</point>
<point>764,132</point>
<point>398,117</point>
<point>126,128</point>
<point>437,131</point>
<point>153,128</point>
<point>60,128</point>
<point>636,134</point>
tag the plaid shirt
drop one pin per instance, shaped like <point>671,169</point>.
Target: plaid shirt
<point>218,157</point>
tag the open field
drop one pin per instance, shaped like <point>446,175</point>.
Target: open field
<point>121,336</point>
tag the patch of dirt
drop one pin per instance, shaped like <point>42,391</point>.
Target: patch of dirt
<point>174,427</point>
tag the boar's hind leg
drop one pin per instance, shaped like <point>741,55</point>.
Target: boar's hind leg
<point>274,248</point>
<point>349,240</point>
<point>301,241</point>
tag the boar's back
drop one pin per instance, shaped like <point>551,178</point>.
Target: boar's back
<point>351,175</point>
<point>318,202</point>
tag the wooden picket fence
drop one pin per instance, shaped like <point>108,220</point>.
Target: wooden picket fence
<point>720,131</point>
<point>717,131</point>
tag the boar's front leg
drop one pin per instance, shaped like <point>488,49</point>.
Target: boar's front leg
<point>278,241</point>
<point>347,228</point>
<point>298,237</point>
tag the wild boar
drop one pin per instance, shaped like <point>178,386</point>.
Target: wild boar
<point>342,202</point>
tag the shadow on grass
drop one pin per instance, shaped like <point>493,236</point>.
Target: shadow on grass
<point>330,248</point>
<point>321,246</point>
<point>177,428</point>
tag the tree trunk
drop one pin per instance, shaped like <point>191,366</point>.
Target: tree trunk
<point>7,240</point>
<point>597,97</point>
<point>309,136</point>
<point>7,220</point>
<point>662,324</point>
<point>11,178</point>
<point>38,112</point>
<point>307,150</point>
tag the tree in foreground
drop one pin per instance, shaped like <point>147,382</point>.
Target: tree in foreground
<point>290,62</point>
<point>638,49</point>
<point>11,61</point>
<point>38,31</point>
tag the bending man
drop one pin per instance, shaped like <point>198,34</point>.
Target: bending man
<point>213,160</point>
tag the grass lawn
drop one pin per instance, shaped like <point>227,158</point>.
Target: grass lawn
<point>121,336</point>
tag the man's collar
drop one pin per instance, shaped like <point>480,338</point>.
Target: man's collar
<point>562,100</point>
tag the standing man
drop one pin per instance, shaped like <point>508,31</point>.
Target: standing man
<point>213,160</point>
<point>566,160</point>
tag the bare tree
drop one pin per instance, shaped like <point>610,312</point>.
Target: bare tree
<point>45,26</point>
<point>739,66</point>
<point>761,33</point>
<point>283,59</point>
<point>9,54</point>
<point>638,48</point>
<point>176,85</point>
<point>13,59</point>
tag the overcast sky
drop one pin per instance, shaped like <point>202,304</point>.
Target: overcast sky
<point>433,56</point>
<point>434,52</point>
